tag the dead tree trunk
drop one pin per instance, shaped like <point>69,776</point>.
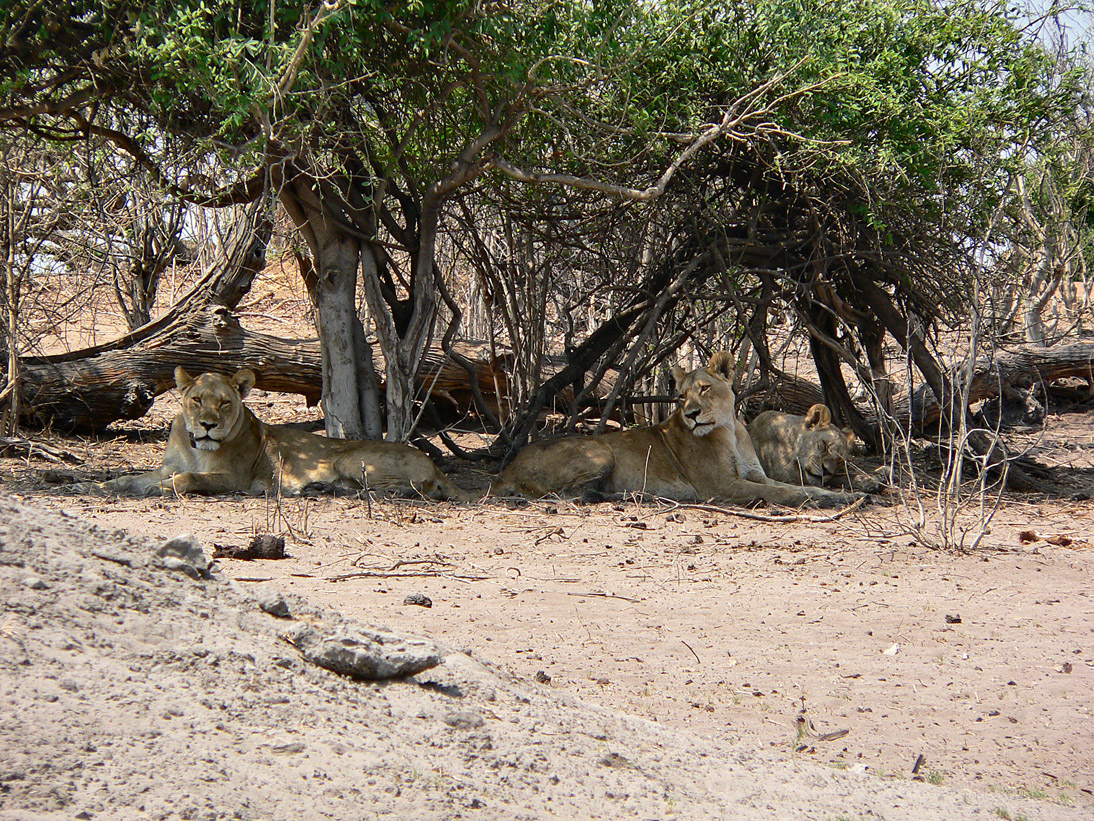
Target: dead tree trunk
<point>88,390</point>
<point>1010,372</point>
<point>87,394</point>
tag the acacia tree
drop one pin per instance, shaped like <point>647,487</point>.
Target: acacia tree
<point>365,119</point>
<point>873,149</point>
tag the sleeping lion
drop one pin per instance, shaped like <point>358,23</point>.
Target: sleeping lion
<point>808,450</point>
<point>802,450</point>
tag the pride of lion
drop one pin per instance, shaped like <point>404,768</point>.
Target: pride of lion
<point>702,452</point>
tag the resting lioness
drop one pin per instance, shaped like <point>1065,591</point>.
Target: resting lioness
<point>702,452</point>
<point>808,450</point>
<point>217,445</point>
<point>802,450</point>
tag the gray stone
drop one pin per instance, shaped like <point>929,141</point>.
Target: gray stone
<point>364,653</point>
<point>116,556</point>
<point>35,583</point>
<point>184,553</point>
<point>272,602</point>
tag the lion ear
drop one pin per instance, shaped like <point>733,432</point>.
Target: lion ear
<point>818,416</point>
<point>243,382</point>
<point>678,376</point>
<point>183,380</point>
<point>721,364</point>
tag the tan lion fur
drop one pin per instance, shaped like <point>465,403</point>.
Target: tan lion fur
<point>701,452</point>
<point>801,450</point>
<point>217,445</point>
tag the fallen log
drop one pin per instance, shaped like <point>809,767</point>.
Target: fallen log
<point>88,390</point>
<point>786,393</point>
<point>1011,373</point>
<point>449,382</point>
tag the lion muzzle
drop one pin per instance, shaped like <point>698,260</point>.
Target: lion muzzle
<point>204,443</point>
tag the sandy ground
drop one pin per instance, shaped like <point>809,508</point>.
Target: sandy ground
<point>719,628</point>
<point>131,691</point>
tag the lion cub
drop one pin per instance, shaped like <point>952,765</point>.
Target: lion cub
<point>703,451</point>
<point>217,445</point>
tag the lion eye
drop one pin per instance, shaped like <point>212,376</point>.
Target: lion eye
<point>704,388</point>
<point>195,402</point>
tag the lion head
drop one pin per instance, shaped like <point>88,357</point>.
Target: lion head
<point>212,405</point>
<point>706,395</point>
<point>822,449</point>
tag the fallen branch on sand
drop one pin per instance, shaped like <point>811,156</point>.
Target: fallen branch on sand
<point>759,517</point>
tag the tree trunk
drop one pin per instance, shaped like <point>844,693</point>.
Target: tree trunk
<point>351,406</point>
<point>836,396</point>
<point>872,336</point>
<point>367,383</point>
<point>336,308</point>
<point>908,335</point>
<point>404,344</point>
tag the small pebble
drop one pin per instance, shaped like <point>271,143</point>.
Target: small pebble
<point>464,720</point>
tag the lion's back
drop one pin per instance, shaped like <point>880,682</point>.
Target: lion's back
<point>775,436</point>
<point>305,458</point>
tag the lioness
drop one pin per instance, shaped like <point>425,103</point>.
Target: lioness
<point>802,450</point>
<point>217,445</point>
<point>702,451</point>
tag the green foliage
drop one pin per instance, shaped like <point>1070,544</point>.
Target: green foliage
<point>910,97</point>
<point>911,94</point>
<point>907,117</point>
